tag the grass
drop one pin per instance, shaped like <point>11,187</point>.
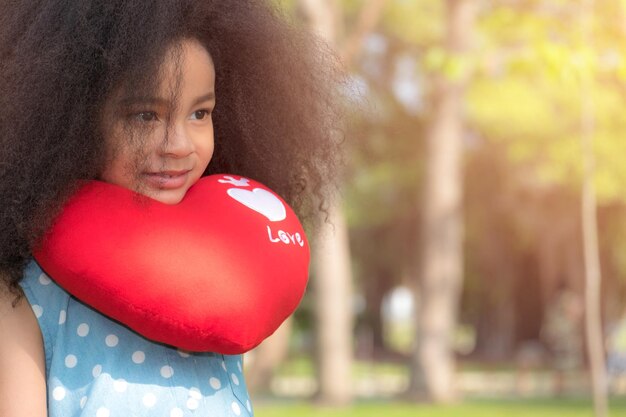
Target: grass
<point>494,381</point>
<point>473,408</point>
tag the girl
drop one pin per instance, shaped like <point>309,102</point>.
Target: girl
<point>149,95</point>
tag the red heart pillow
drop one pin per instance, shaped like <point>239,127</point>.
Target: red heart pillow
<point>220,271</point>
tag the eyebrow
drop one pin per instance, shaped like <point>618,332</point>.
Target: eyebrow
<point>158,101</point>
<point>207,97</point>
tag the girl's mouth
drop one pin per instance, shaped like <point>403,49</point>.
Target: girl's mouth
<point>167,180</point>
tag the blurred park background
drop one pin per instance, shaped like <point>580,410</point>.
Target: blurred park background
<point>476,262</point>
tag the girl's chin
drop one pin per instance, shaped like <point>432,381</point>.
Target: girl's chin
<point>167,196</point>
<point>154,190</point>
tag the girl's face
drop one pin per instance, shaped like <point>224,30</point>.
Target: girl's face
<point>177,134</point>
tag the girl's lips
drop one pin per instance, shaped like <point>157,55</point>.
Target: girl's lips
<point>167,180</point>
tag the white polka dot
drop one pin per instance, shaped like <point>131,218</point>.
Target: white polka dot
<point>239,366</point>
<point>62,316</point>
<point>44,280</point>
<point>236,408</point>
<point>83,402</point>
<point>58,393</point>
<point>195,393</point>
<point>38,310</point>
<point>82,330</point>
<point>111,340</point>
<point>235,379</point>
<point>183,354</point>
<point>149,400</point>
<point>224,365</point>
<point>71,361</point>
<point>215,383</point>
<point>120,385</point>
<point>96,371</point>
<point>248,406</point>
<point>138,357</point>
<point>103,412</point>
<point>176,412</point>
<point>167,371</point>
<point>192,404</point>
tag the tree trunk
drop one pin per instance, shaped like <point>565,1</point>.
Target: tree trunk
<point>322,17</point>
<point>261,363</point>
<point>433,364</point>
<point>376,287</point>
<point>333,312</point>
<point>593,277</point>
<point>333,278</point>
<point>331,262</point>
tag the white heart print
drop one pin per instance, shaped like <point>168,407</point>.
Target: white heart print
<point>261,201</point>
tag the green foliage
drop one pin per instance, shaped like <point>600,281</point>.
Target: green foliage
<point>529,73</point>
<point>532,99</point>
<point>415,22</point>
<point>454,67</point>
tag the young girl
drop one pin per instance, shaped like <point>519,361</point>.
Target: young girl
<point>149,95</point>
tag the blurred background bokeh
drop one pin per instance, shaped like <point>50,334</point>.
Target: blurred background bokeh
<point>475,264</point>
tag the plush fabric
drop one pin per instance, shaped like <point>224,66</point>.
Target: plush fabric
<point>219,272</point>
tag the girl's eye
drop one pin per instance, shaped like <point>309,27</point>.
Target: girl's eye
<point>146,116</point>
<point>200,114</point>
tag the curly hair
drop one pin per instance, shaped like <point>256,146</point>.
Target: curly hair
<point>276,119</point>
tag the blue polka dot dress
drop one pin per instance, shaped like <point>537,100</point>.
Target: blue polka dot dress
<point>98,368</point>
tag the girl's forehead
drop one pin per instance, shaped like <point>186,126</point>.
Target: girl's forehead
<point>187,69</point>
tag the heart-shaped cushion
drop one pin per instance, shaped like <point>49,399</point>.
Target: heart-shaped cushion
<point>220,271</point>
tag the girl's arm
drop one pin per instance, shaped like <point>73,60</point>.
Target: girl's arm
<point>22,363</point>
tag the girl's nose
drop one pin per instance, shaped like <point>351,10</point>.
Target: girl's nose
<point>178,143</point>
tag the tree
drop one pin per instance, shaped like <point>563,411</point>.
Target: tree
<point>526,100</point>
<point>332,284</point>
<point>332,269</point>
<point>593,276</point>
<point>433,364</point>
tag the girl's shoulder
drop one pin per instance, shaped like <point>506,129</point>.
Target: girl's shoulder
<point>21,359</point>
